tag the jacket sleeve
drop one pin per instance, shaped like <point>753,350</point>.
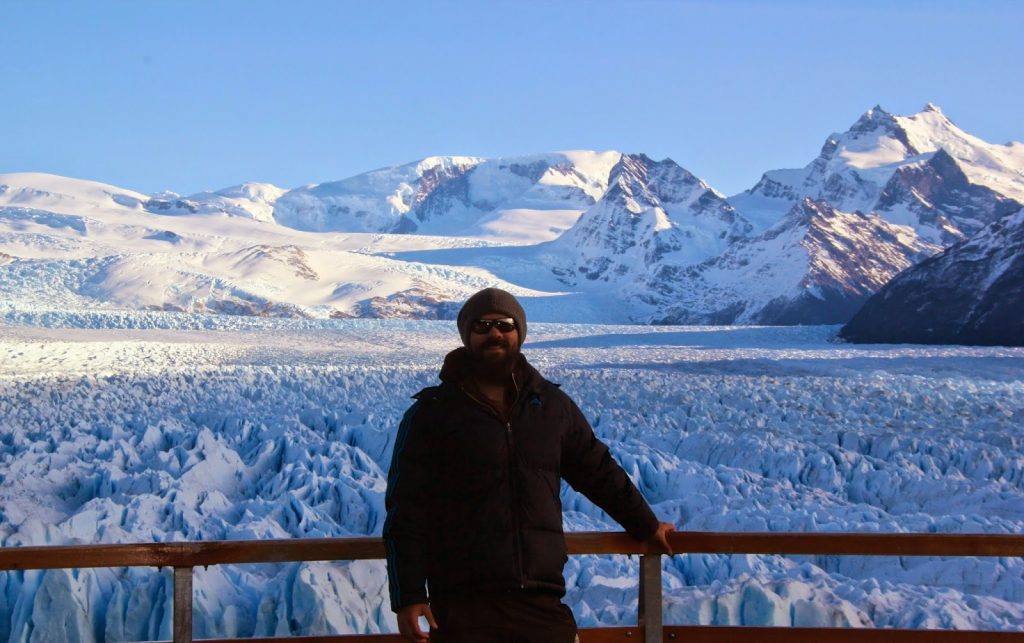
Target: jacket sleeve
<point>406,525</point>
<point>588,466</point>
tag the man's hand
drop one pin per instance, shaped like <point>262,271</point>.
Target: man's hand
<point>409,622</point>
<point>659,541</point>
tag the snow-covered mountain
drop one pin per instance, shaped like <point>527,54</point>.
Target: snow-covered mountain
<point>64,195</point>
<point>816,266</point>
<point>252,200</point>
<point>973,293</point>
<point>654,214</point>
<point>919,170</point>
<point>72,244</point>
<point>528,198</point>
<point>589,236</point>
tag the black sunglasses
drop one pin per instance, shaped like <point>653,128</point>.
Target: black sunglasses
<point>484,326</point>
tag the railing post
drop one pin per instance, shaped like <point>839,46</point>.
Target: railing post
<point>182,605</point>
<point>649,607</point>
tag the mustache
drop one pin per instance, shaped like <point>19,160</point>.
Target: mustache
<point>497,341</point>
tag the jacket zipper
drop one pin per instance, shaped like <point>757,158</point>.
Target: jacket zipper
<point>517,554</point>
<point>517,546</point>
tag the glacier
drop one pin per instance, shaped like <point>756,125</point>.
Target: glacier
<point>119,427</point>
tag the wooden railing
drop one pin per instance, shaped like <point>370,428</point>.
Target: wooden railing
<point>183,557</point>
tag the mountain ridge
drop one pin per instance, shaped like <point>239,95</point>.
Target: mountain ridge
<point>576,231</point>
<point>972,293</point>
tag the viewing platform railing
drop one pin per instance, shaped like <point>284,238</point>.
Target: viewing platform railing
<point>183,557</point>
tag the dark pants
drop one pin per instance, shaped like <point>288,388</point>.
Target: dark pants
<point>516,617</point>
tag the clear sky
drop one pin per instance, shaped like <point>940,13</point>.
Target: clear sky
<point>191,96</point>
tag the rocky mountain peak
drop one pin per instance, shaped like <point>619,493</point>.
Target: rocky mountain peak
<point>805,212</point>
<point>653,212</point>
<point>872,119</point>
<point>637,176</point>
<point>806,245</point>
<point>877,121</point>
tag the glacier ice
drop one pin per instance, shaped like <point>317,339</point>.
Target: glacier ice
<point>160,427</point>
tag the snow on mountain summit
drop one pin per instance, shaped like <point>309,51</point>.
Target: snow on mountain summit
<point>456,196</point>
<point>815,266</point>
<point>608,236</point>
<point>654,212</point>
<point>373,201</point>
<point>248,200</point>
<point>65,195</point>
<point>867,169</point>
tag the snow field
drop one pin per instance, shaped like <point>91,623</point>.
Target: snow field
<point>283,429</point>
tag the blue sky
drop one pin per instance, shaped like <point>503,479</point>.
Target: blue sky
<point>189,96</point>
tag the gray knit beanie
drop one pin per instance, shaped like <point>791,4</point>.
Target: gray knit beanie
<point>491,300</point>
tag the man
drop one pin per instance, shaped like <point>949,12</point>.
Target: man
<point>474,526</point>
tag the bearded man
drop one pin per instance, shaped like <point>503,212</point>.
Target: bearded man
<point>473,533</point>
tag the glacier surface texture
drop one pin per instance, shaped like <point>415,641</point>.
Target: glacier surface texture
<point>154,426</point>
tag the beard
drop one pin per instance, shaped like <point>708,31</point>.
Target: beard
<point>494,366</point>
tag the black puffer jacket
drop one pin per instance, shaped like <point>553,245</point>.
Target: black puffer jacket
<point>473,502</point>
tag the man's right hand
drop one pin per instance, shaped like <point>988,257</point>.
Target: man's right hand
<point>409,622</point>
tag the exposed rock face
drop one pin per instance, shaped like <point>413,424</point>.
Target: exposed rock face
<point>919,170</point>
<point>617,237</point>
<point>414,303</point>
<point>250,259</point>
<point>973,293</point>
<point>448,195</point>
<point>383,200</point>
<point>943,199</point>
<point>816,266</point>
<point>441,189</point>
<point>654,213</point>
<point>248,200</point>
